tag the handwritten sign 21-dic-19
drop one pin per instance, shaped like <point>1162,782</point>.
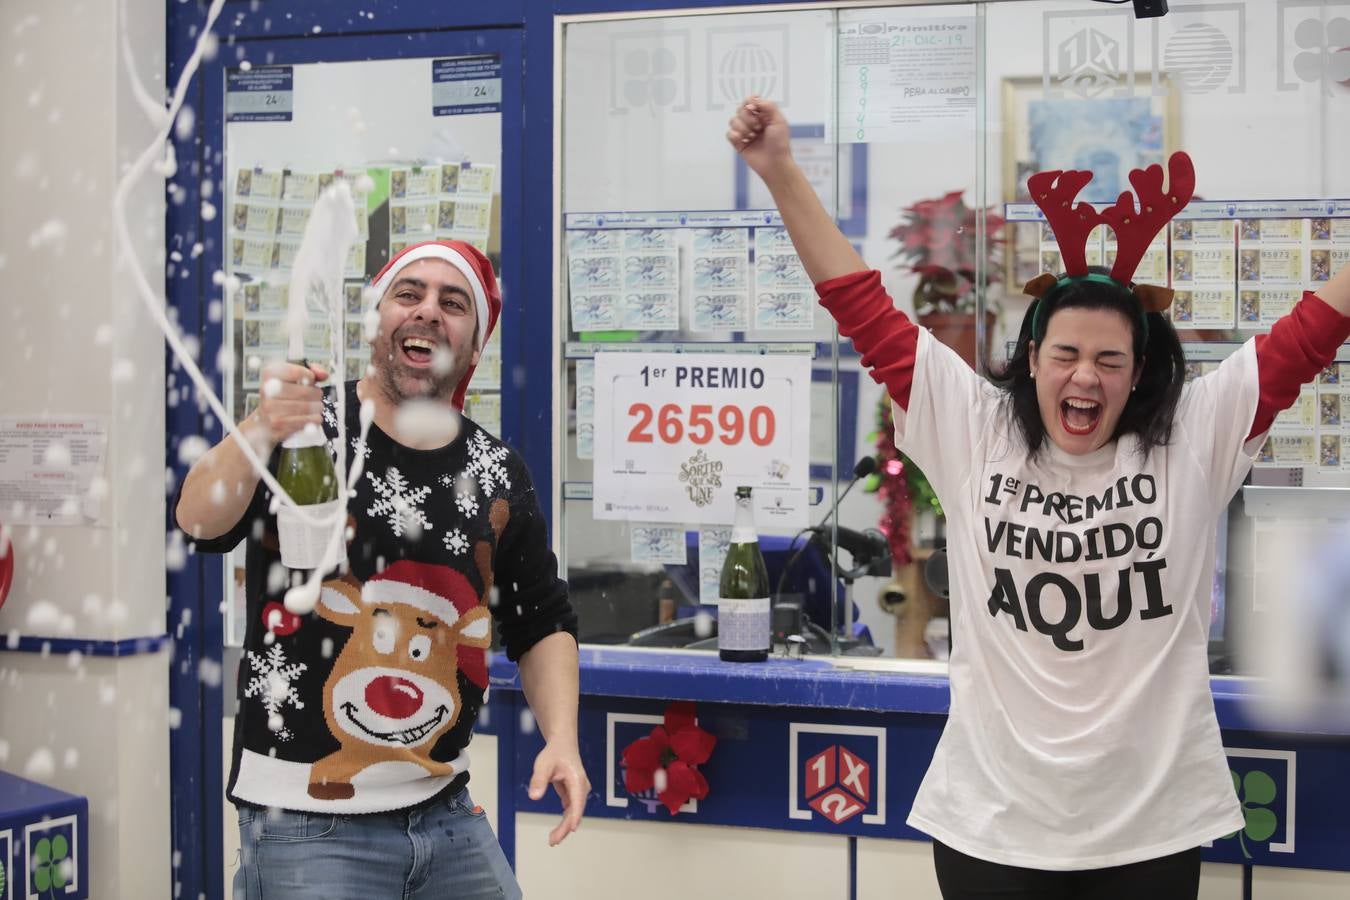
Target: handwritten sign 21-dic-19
<point>676,433</point>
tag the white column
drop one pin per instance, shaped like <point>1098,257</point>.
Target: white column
<point>70,322</point>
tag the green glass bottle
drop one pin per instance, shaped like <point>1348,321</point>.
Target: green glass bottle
<point>743,628</point>
<point>305,470</point>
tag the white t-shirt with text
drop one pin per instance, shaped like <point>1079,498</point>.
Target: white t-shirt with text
<point>1082,731</point>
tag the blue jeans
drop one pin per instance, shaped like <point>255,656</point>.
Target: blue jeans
<point>441,850</point>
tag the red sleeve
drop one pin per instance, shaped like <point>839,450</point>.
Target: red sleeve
<point>886,338</point>
<point>1299,346</point>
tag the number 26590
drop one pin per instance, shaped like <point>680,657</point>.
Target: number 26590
<point>701,424</point>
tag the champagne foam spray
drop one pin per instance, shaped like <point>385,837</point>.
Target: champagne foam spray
<point>158,156</point>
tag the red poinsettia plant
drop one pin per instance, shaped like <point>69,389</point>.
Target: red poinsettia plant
<point>937,242</point>
<point>675,748</point>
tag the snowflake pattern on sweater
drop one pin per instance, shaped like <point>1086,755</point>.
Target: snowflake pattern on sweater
<point>274,681</point>
<point>399,503</point>
<point>486,464</point>
<point>456,542</point>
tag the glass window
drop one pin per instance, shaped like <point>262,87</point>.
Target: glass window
<point>918,125</point>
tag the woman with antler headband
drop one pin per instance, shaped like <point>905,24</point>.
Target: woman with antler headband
<point>1081,756</point>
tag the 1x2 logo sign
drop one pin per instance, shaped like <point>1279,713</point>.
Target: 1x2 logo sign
<point>837,772</point>
<point>838,783</point>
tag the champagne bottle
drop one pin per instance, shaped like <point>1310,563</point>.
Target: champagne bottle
<point>743,606</point>
<point>306,472</point>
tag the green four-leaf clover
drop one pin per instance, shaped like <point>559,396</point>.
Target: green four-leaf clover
<point>1256,791</point>
<point>52,868</point>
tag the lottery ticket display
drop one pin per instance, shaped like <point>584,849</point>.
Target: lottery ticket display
<point>267,214</point>
<point>685,272</point>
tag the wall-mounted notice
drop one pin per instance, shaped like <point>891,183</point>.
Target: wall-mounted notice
<point>51,470</point>
<point>903,78</point>
<point>676,433</point>
<point>260,94</point>
<point>466,85</point>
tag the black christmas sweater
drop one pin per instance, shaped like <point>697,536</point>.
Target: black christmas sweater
<point>368,703</point>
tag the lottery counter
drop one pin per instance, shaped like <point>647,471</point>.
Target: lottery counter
<point>838,746</point>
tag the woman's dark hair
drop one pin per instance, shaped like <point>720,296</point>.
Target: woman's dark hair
<point>1150,408</point>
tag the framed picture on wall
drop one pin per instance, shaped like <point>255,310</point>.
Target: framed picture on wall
<point>1109,136</point>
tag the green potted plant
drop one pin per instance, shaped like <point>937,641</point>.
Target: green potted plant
<point>937,241</point>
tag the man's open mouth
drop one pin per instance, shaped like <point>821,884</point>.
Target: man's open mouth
<point>406,736</point>
<point>418,351</point>
<point>1079,416</point>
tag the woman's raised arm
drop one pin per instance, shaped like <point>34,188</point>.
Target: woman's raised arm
<point>759,133</point>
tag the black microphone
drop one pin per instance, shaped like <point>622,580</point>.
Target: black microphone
<point>870,551</point>
<point>868,548</point>
<point>864,467</point>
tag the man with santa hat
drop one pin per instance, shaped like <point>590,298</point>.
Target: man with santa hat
<point>349,766</point>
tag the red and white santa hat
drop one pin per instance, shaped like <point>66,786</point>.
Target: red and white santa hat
<point>476,268</point>
<point>439,591</point>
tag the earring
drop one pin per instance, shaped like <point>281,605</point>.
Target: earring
<point>1133,388</point>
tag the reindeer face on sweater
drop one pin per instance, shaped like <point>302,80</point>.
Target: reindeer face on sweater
<point>394,683</point>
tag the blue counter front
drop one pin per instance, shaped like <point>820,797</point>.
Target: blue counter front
<point>840,748</point>
<point>44,841</point>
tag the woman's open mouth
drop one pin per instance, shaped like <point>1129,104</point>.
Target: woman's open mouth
<point>1079,416</point>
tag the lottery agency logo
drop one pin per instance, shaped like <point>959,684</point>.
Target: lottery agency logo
<point>649,71</point>
<point>1265,782</point>
<point>1311,39</point>
<point>701,475</point>
<point>1088,54</point>
<point>745,60</point>
<point>51,851</point>
<point>837,773</point>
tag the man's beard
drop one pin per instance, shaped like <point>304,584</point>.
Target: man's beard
<point>400,383</point>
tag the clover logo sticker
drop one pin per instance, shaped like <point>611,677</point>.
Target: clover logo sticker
<point>649,77</point>
<point>1319,44</point>
<point>52,865</point>
<point>1257,791</point>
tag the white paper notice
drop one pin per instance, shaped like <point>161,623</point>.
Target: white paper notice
<point>47,469</point>
<point>904,78</point>
<point>676,433</point>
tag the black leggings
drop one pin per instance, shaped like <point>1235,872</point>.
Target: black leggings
<point>961,877</point>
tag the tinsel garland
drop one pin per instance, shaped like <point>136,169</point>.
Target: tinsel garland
<point>896,505</point>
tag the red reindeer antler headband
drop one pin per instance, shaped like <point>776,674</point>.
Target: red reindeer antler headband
<point>1135,227</point>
